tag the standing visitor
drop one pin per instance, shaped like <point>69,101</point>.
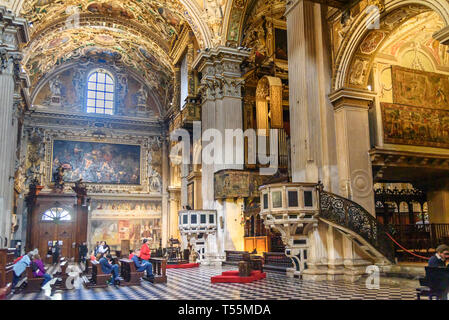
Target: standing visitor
<point>145,252</point>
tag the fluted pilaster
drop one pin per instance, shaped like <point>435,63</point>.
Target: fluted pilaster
<point>311,115</point>
<point>13,31</point>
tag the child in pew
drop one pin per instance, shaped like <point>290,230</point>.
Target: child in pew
<point>39,269</point>
<point>142,266</point>
<point>131,254</point>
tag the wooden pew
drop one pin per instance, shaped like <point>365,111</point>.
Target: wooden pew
<point>88,268</point>
<point>98,279</point>
<point>61,283</point>
<point>7,257</point>
<point>33,283</point>
<point>234,257</point>
<point>159,270</point>
<point>276,262</point>
<point>129,273</point>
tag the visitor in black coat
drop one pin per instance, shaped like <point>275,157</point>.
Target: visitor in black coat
<point>56,252</point>
<point>439,259</point>
<point>83,252</point>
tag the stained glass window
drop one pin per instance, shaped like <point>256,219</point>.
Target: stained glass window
<point>100,93</point>
<point>56,214</point>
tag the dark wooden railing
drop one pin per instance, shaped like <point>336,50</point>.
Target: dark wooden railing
<point>421,236</point>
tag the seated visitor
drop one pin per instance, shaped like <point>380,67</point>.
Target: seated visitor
<point>39,269</point>
<point>131,254</point>
<point>97,247</point>
<point>145,252</point>
<point>17,259</point>
<point>108,268</point>
<point>20,268</point>
<point>142,266</point>
<point>439,259</point>
<point>103,248</point>
<point>92,256</point>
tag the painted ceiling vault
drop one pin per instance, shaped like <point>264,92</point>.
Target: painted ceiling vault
<point>136,34</point>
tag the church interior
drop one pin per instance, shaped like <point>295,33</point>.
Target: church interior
<point>304,143</point>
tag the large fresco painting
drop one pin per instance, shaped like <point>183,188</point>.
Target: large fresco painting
<point>415,126</point>
<point>94,162</point>
<point>113,221</point>
<point>420,88</point>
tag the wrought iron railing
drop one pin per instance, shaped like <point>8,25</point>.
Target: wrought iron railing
<point>354,217</point>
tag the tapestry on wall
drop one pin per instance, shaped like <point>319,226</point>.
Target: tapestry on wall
<point>415,126</point>
<point>236,184</point>
<point>420,88</point>
<point>96,162</point>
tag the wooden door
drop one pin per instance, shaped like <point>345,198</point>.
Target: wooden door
<point>70,231</point>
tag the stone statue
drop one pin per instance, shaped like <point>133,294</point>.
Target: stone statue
<point>58,176</point>
<point>81,191</point>
<point>141,96</point>
<point>154,180</point>
<point>55,87</point>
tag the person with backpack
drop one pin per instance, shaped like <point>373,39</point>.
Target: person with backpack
<point>38,268</point>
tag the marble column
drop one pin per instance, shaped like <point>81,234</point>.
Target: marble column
<point>221,110</point>
<point>13,32</point>
<point>353,143</point>
<point>165,194</point>
<point>311,115</point>
<point>221,106</point>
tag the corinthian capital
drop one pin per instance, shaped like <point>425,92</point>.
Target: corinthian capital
<point>221,71</point>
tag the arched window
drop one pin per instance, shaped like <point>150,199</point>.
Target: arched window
<point>100,92</point>
<point>56,214</point>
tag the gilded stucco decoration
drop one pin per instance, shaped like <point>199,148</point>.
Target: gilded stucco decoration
<point>361,62</point>
<point>349,32</point>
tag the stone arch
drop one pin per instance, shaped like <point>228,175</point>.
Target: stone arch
<point>69,65</point>
<point>348,64</point>
<point>269,88</point>
<point>234,19</point>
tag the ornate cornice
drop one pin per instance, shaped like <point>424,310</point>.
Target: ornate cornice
<point>100,123</point>
<point>352,98</point>
<point>221,74</point>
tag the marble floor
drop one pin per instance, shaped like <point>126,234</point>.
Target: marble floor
<point>194,284</point>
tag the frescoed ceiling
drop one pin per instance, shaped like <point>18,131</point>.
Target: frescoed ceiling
<point>413,39</point>
<point>137,34</point>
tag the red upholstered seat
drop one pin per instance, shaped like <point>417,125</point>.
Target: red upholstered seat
<point>233,277</point>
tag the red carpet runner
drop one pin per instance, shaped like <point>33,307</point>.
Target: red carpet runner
<point>233,277</point>
<point>182,266</point>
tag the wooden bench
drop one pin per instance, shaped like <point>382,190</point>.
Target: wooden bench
<point>7,257</point>
<point>98,278</point>
<point>159,270</point>
<point>61,283</point>
<point>33,283</point>
<point>276,262</point>
<point>129,273</point>
<point>88,267</point>
<point>234,257</point>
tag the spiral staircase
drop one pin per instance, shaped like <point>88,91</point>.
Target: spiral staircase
<point>327,236</point>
